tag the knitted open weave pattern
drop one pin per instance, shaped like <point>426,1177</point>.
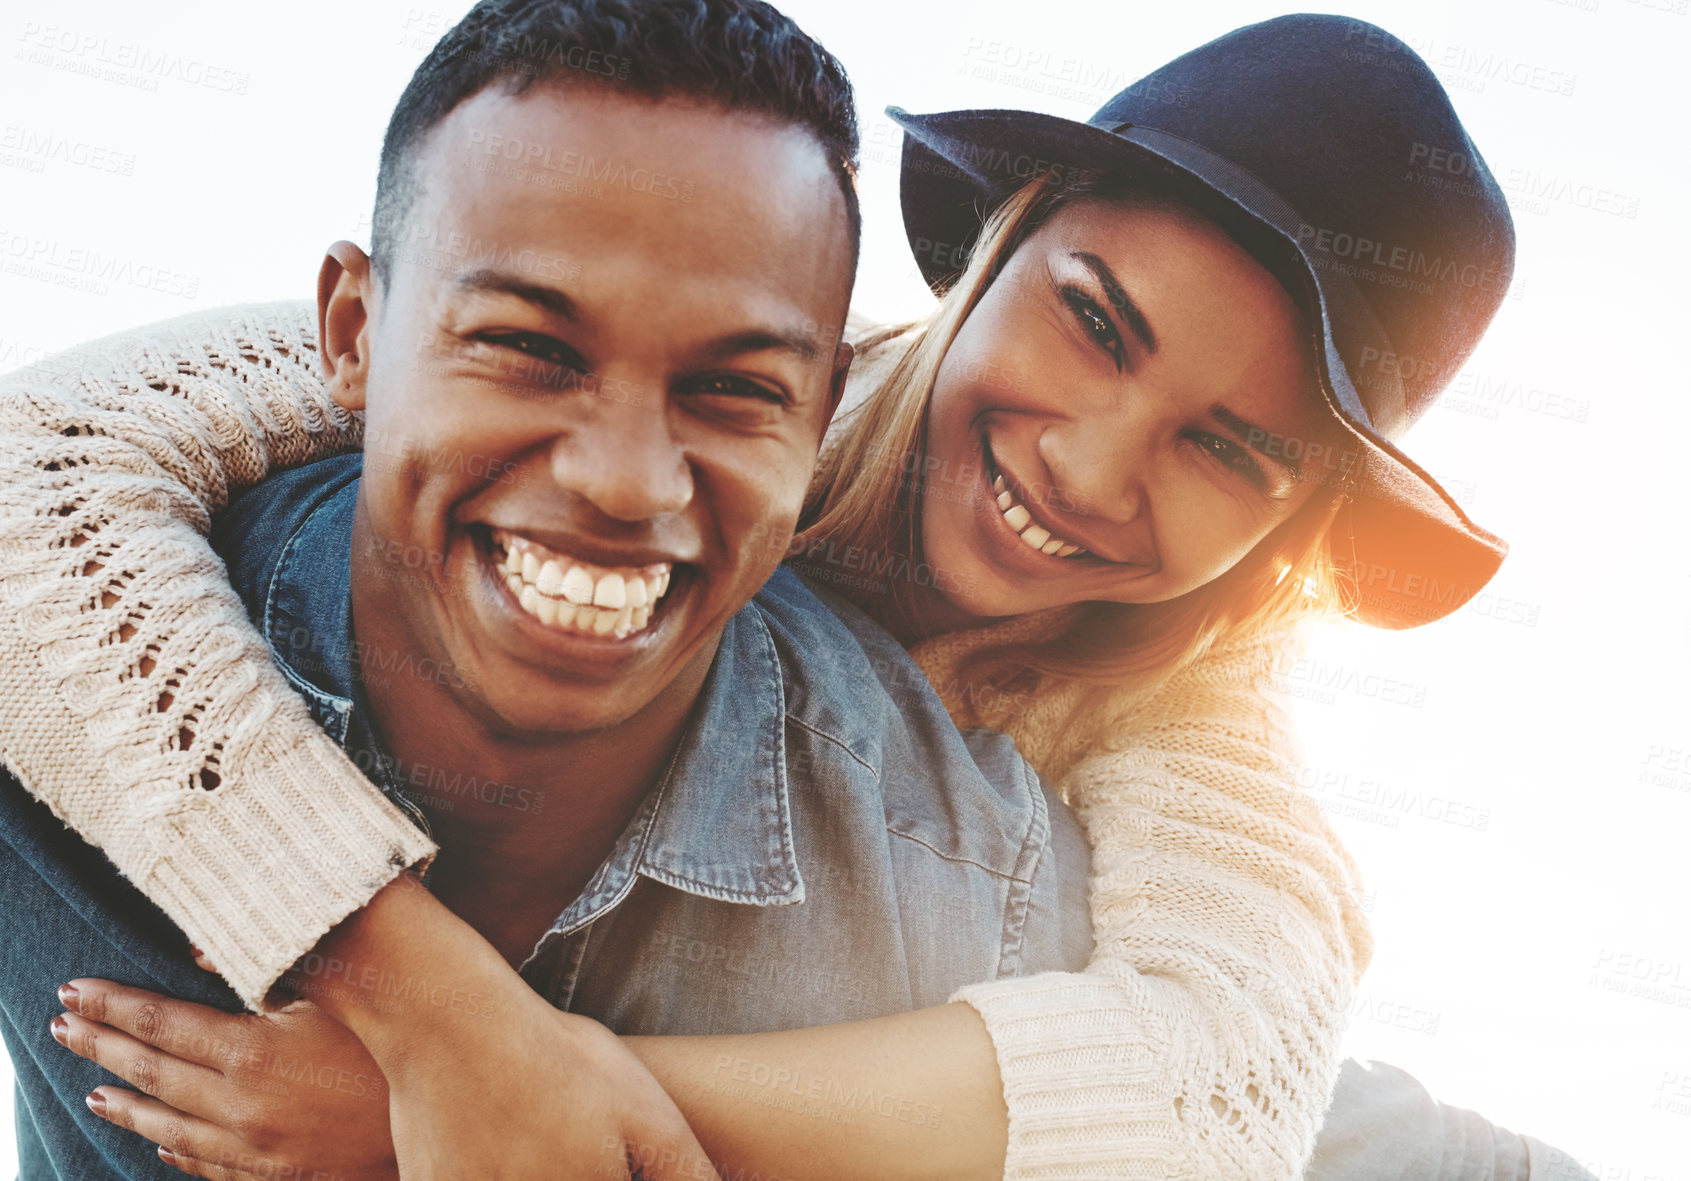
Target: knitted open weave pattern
<point>1202,1041</point>
<point>143,707</point>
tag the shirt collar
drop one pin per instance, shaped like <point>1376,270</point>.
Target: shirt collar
<point>307,611</point>
<point>724,827</point>
<point>718,824</point>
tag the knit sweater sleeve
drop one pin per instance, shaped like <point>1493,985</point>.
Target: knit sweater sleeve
<point>1202,1039</point>
<point>142,706</point>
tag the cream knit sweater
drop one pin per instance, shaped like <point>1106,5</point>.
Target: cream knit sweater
<point>144,709</point>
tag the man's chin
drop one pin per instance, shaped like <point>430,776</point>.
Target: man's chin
<point>558,713</point>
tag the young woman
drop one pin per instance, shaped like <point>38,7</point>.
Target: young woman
<point>1146,434</point>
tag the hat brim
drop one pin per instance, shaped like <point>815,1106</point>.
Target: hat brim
<point>1412,551</point>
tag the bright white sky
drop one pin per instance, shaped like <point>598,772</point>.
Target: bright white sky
<point>1524,829</point>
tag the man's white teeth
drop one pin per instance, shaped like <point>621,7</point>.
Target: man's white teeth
<point>577,586</point>
<point>611,592</point>
<point>550,581</point>
<point>546,608</point>
<point>577,597</point>
<point>1021,522</point>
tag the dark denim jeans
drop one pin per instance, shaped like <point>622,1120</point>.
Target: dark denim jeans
<point>65,911</point>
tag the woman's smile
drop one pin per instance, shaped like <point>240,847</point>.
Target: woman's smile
<point>1018,538</point>
<point>1020,514</point>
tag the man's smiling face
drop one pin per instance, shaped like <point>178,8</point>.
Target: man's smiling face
<point>595,382</point>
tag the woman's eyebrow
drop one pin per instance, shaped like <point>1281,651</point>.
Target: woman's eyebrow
<point>1118,297</point>
<point>1265,443</point>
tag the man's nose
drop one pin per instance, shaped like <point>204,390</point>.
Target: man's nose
<point>625,460</point>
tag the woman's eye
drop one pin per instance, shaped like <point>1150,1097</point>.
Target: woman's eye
<point>1094,323</point>
<point>1234,458</point>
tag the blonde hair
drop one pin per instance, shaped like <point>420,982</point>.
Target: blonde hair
<point>1287,577</point>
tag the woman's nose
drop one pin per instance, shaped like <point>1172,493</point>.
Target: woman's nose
<point>1099,466</point>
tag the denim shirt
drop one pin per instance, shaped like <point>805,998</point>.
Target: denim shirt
<point>824,845</point>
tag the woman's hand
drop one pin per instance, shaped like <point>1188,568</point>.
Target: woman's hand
<point>537,1093</point>
<point>288,1094</point>
<point>486,1079</point>
<point>543,1094</point>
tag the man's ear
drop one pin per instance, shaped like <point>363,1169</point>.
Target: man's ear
<point>843,356</point>
<point>346,298</point>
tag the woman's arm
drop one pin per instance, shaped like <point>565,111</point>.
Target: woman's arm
<point>506,1078</point>
<point>141,705</point>
<point>1204,1035</point>
<point>911,1097</point>
<point>416,1044</point>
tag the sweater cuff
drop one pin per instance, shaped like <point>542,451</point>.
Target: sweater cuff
<point>295,841</point>
<point>1085,1087</point>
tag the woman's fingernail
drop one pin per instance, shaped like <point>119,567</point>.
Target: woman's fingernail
<point>67,997</point>
<point>96,1103</point>
<point>61,1030</point>
<point>167,1156</point>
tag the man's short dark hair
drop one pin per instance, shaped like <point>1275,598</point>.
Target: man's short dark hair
<point>740,54</point>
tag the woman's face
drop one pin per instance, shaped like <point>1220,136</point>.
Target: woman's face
<point>1116,419</point>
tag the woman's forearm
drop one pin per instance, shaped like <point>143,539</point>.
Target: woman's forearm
<point>141,704</point>
<point>901,1098</point>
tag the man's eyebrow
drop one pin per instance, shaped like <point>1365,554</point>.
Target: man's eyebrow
<point>753,340</point>
<point>491,279</point>
<point>762,340</point>
<point>1117,295</point>
<point>1257,439</point>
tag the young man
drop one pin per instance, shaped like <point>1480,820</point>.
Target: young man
<point>596,463</point>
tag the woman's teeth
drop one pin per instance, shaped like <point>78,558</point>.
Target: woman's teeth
<point>575,596</point>
<point>1020,520</point>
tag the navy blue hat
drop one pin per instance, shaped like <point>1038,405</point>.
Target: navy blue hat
<point>1327,147</point>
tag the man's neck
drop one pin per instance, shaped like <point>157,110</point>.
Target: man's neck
<point>523,820</point>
